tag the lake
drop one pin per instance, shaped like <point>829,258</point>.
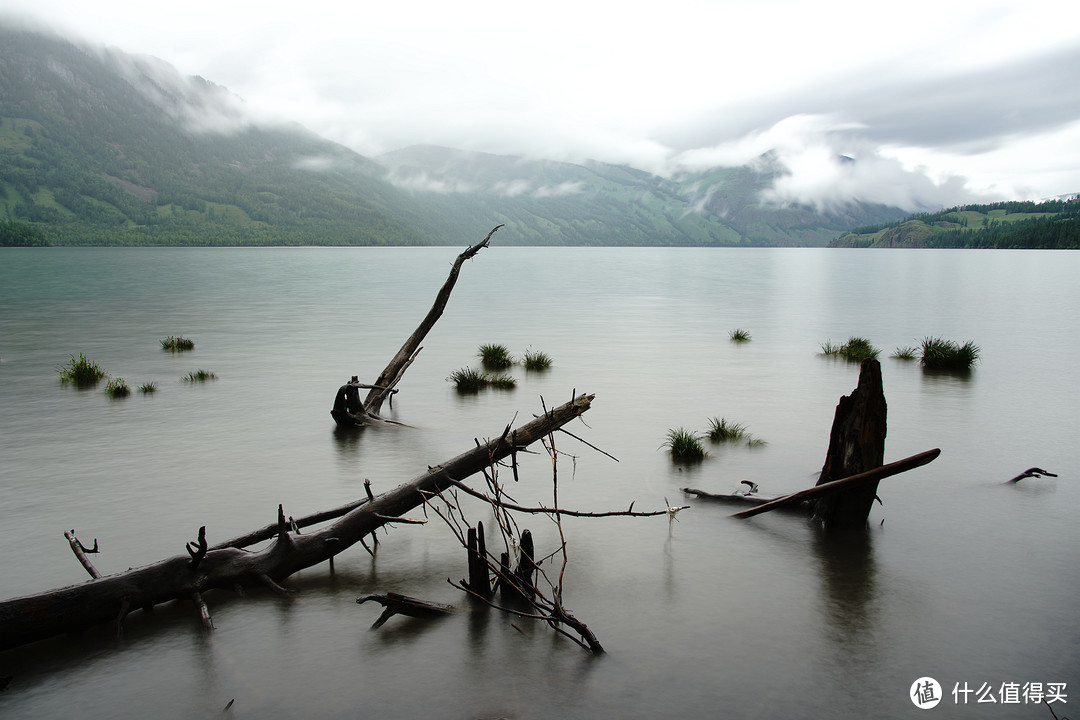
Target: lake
<point>958,576</point>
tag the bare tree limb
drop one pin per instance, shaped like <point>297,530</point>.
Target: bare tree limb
<point>80,551</point>
<point>344,413</point>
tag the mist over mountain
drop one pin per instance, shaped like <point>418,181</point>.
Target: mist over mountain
<point>101,147</point>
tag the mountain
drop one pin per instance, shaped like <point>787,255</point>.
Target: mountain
<point>1051,224</point>
<point>592,203</point>
<point>101,147</point>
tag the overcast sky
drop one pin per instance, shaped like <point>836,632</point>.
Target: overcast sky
<point>940,102</point>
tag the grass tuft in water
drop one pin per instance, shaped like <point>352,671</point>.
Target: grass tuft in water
<point>148,387</point>
<point>739,335</point>
<point>720,430</point>
<point>80,372</point>
<point>495,357</point>
<point>856,349</point>
<point>684,445</point>
<point>949,356</point>
<point>117,388</point>
<point>199,376</point>
<point>754,442</point>
<point>502,382</point>
<point>177,343</point>
<point>906,353</point>
<point>536,361</point>
<point>468,380</point>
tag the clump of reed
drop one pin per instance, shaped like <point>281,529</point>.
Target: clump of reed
<point>739,335</point>
<point>199,376</point>
<point>684,445</point>
<point>905,353</point>
<point>856,349</point>
<point>470,380</point>
<point>148,387</point>
<point>948,356</point>
<point>117,388</point>
<point>536,361</point>
<point>80,372</point>
<point>720,430</point>
<point>495,357</point>
<point>177,343</point>
<point>502,382</point>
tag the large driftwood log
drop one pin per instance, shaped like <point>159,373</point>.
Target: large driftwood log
<point>856,444</point>
<point>348,409</point>
<point>110,598</point>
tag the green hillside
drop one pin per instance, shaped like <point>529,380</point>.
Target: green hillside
<point>103,148</point>
<point>1054,224</point>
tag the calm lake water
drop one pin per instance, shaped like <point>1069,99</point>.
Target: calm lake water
<point>957,577</point>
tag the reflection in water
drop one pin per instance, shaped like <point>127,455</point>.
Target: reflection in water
<point>848,595</point>
<point>347,438</point>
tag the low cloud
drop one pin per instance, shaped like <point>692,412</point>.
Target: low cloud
<point>423,182</point>
<point>827,162</point>
<point>511,188</point>
<point>564,188</point>
<point>314,163</point>
<point>198,104</point>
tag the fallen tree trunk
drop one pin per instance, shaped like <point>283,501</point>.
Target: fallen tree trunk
<point>36,617</point>
<point>348,410</point>
<point>864,479</point>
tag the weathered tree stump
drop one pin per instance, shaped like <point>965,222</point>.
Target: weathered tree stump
<point>479,580</point>
<point>856,445</point>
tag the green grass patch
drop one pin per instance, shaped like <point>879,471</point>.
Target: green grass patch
<point>148,387</point>
<point>502,382</point>
<point>720,430</point>
<point>117,388</point>
<point>684,445</point>
<point>739,335</point>
<point>80,372</point>
<point>946,355</point>
<point>199,376</point>
<point>754,442</point>
<point>495,357</point>
<point>905,353</point>
<point>469,380</point>
<point>177,343</point>
<point>856,349</point>
<point>536,361</point>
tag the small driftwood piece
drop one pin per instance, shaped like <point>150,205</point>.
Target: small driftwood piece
<point>396,604</point>
<point>870,476</point>
<point>1030,473</point>
<point>735,498</point>
<point>80,551</point>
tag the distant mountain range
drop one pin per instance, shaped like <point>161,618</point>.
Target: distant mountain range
<point>101,147</point>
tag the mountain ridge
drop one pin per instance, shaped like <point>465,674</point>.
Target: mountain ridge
<point>101,147</point>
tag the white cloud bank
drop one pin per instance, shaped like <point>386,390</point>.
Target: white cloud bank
<point>937,102</point>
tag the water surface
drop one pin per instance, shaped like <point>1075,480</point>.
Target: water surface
<point>957,577</point>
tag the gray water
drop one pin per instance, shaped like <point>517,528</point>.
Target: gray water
<point>957,576</point>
